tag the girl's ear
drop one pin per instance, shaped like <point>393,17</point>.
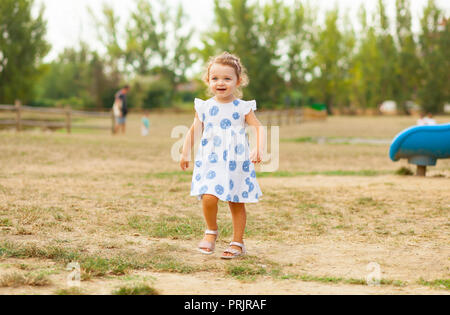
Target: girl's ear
<point>239,81</point>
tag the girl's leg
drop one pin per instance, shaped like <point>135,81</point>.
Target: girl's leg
<point>210,213</point>
<point>239,217</point>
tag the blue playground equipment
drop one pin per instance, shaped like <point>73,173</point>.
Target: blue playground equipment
<point>422,146</point>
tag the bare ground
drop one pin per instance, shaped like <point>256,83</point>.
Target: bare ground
<point>95,198</point>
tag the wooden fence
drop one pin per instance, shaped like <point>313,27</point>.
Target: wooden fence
<point>67,112</point>
<point>267,117</point>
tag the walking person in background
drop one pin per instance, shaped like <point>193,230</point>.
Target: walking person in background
<point>145,126</point>
<point>120,109</point>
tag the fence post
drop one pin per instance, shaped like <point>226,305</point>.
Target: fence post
<point>68,118</point>
<point>17,105</point>
<point>280,117</point>
<point>113,123</point>
<point>269,118</point>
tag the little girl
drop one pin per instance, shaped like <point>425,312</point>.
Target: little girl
<point>223,164</point>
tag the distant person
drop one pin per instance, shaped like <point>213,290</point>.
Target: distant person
<point>120,109</point>
<point>426,120</point>
<point>145,126</point>
<point>422,120</point>
<point>429,119</point>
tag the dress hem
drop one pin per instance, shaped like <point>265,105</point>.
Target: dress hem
<point>223,199</point>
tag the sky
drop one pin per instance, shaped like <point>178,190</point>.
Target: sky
<point>68,21</point>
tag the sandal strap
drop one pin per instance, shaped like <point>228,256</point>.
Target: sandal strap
<point>206,244</point>
<point>237,244</point>
<point>232,251</point>
<point>212,232</point>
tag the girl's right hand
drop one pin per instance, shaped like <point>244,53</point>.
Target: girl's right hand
<point>184,164</point>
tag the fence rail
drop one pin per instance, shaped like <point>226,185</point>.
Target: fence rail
<point>67,112</point>
<point>267,117</point>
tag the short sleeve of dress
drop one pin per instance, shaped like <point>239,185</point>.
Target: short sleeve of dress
<point>200,108</point>
<point>248,106</point>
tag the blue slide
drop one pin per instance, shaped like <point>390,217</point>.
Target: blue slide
<point>422,145</point>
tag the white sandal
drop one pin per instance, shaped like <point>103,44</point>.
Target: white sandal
<point>208,245</point>
<point>235,253</point>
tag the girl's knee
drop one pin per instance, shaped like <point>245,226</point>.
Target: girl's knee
<point>210,199</point>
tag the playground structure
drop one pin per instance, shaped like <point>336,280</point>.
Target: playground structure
<point>422,146</point>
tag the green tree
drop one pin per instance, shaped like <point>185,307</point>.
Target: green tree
<point>22,48</point>
<point>254,37</point>
<point>389,56</point>
<point>154,43</point>
<point>77,77</point>
<point>435,62</point>
<point>332,51</point>
<point>408,67</point>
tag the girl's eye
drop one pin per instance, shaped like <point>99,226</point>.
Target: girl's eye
<point>228,79</point>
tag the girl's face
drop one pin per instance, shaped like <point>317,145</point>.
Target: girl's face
<point>223,81</point>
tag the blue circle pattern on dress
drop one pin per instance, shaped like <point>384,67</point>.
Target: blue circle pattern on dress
<point>203,116</point>
<point>211,175</point>
<point>225,123</point>
<point>213,158</point>
<point>204,142</point>
<point>247,181</point>
<point>242,131</point>
<point>217,141</point>
<point>208,126</point>
<point>239,149</point>
<point>231,184</point>
<point>219,189</point>
<point>232,165</point>
<point>246,166</point>
<point>225,155</point>
<point>214,111</point>
<point>251,186</point>
<point>203,189</point>
<point>236,102</point>
<point>236,115</point>
<point>236,198</point>
<point>245,194</point>
<point>253,174</point>
<point>198,163</point>
<point>198,177</point>
<point>228,197</point>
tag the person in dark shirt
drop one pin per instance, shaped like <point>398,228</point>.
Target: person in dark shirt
<point>121,98</point>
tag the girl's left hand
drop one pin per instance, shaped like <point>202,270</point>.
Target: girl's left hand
<point>256,156</point>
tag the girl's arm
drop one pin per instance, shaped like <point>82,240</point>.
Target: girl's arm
<point>256,156</point>
<point>194,132</point>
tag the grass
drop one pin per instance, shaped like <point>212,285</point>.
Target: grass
<point>29,279</point>
<point>69,291</point>
<point>339,280</point>
<point>142,289</point>
<point>404,171</point>
<point>98,266</point>
<point>439,283</point>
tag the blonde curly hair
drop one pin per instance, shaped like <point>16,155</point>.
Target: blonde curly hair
<point>233,61</point>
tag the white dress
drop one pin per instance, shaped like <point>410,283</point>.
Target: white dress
<point>222,164</point>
